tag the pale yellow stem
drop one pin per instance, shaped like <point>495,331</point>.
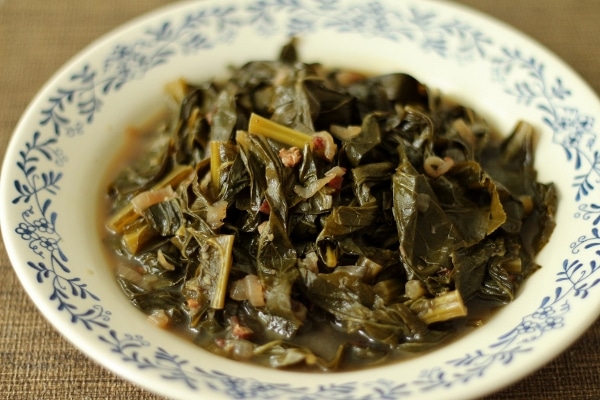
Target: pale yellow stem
<point>215,165</point>
<point>265,127</point>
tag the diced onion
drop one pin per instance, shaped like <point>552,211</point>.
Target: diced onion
<point>435,166</point>
<point>313,187</point>
<point>322,144</point>
<point>464,131</point>
<point>242,350</point>
<point>248,288</point>
<point>128,273</point>
<point>159,318</point>
<point>151,197</point>
<point>160,257</point>
<point>345,132</point>
<point>216,213</point>
<point>290,157</point>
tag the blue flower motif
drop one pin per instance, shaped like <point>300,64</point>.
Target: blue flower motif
<point>48,243</point>
<point>27,231</point>
<point>543,313</point>
<point>44,226</point>
<point>527,326</point>
<point>552,323</point>
<point>570,127</point>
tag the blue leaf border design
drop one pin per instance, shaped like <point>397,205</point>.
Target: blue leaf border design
<point>74,105</point>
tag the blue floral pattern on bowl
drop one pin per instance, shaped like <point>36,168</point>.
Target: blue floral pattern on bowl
<point>80,98</point>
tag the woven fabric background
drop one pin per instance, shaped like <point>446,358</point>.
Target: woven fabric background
<point>37,37</point>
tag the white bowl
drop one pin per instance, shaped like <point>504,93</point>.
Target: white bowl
<point>62,147</point>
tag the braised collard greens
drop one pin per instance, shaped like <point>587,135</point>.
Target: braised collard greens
<point>299,216</point>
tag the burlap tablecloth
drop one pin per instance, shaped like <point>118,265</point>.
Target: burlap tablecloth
<point>37,37</point>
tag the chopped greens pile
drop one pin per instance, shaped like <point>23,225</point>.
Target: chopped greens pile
<point>297,216</point>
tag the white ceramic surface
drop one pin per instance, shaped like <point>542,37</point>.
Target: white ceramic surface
<point>65,140</point>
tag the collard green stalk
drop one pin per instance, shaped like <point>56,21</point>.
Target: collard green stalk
<point>264,127</point>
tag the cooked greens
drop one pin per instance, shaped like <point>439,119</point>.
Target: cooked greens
<point>294,215</point>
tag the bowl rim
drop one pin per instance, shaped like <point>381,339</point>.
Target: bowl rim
<point>80,340</point>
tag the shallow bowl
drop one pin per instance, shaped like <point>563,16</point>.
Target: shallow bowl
<point>65,141</point>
